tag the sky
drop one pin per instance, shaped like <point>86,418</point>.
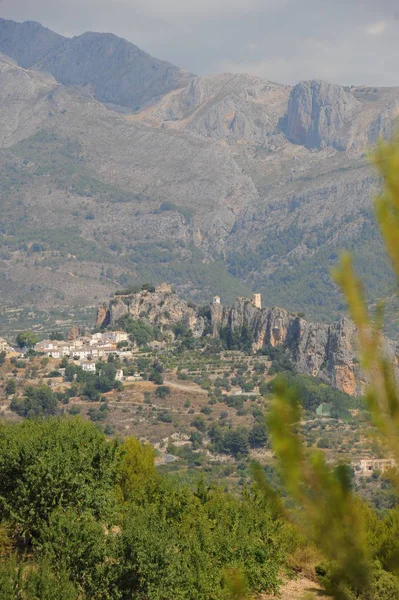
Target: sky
<point>343,41</point>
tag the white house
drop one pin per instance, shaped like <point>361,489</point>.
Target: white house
<point>119,375</point>
<point>116,336</point>
<point>4,347</point>
<point>89,367</point>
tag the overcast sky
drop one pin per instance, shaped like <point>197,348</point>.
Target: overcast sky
<point>343,41</point>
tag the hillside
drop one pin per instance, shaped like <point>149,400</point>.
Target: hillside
<point>219,184</point>
<point>328,352</point>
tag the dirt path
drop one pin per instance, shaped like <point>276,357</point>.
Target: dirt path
<point>299,589</point>
<point>186,388</point>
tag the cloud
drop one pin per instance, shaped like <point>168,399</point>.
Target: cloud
<point>376,28</point>
<point>345,41</point>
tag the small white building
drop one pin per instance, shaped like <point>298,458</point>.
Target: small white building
<point>116,336</point>
<point>89,367</point>
<point>216,300</point>
<point>4,346</point>
<point>119,375</point>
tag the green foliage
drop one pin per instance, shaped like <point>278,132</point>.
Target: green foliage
<point>281,362</point>
<point>258,437</point>
<point>112,528</point>
<point>27,339</point>
<point>199,423</point>
<point>139,332</point>
<point>3,355</point>
<point>313,392</point>
<point>11,387</point>
<point>156,377</point>
<point>29,581</point>
<point>184,546</point>
<point>162,391</point>
<point>57,463</point>
<point>230,441</point>
<point>239,339</point>
<point>137,469</point>
<point>38,402</point>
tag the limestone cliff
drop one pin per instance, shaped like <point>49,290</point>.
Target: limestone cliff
<point>162,307</point>
<point>328,352</point>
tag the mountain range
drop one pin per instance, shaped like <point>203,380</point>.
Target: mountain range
<point>118,168</point>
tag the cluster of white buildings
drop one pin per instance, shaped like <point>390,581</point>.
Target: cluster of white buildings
<point>97,345</point>
<point>4,345</point>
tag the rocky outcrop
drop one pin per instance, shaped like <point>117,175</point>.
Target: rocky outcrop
<point>319,115</point>
<point>328,352</point>
<point>234,107</point>
<point>161,307</point>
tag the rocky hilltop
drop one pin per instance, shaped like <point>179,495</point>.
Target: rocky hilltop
<point>161,307</point>
<point>328,352</point>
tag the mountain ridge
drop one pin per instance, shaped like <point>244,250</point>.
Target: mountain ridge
<point>201,186</point>
<point>92,59</point>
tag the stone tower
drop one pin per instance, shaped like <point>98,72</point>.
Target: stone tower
<point>216,315</point>
<point>257,300</point>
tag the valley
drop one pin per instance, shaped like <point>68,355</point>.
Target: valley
<point>220,184</point>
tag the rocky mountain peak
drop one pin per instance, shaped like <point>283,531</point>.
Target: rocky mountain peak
<point>116,70</point>
<point>29,42</point>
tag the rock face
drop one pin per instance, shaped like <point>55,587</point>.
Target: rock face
<point>116,71</point>
<point>238,108</point>
<point>328,352</point>
<point>319,115</point>
<point>162,308</point>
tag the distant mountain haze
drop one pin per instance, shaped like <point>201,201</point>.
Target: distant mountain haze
<point>115,70</point>
<point>220,184</point>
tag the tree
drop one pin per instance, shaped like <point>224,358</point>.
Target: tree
<point>156,377</point>
<point>196,439</point>
<point>149,287</point>
<point>137,469</point>
<point>56,335</point>
<point>56,463</point>
<point>235,441</point>
<point>11,387</point>
<point>106,377</point>
<point>38,401</point>
<point>258,436</point>
<point>199,423</point>
<point>3,355</point>
<point>27,339</point>
<point>162,391</point>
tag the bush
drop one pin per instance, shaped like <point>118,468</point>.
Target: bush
<point>162,391</point>
<point>156,378</point>
<point>199,423</point>
<point>165,417</point>
<point>11,387</point>
<point>38,402</point>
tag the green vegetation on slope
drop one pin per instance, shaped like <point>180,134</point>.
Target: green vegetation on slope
<point>99,522</point>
